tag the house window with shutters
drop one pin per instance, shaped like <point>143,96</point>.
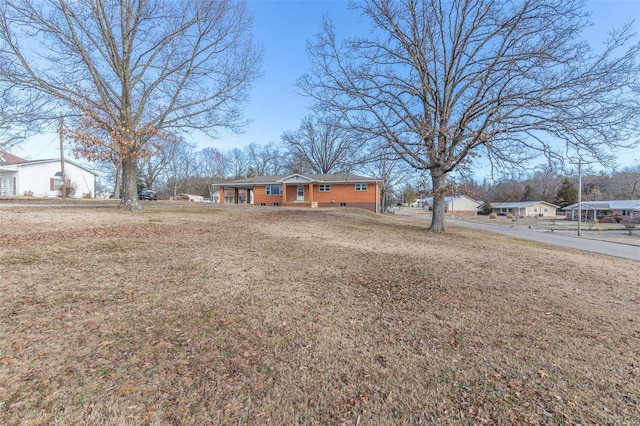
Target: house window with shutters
<point>56,182</point>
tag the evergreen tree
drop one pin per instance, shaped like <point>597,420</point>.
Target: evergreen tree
<point>567,194</point>
<point>530,194</point>
<point>485,209</point>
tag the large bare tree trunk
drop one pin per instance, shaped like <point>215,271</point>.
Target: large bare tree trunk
<point>129,184</point>
<point>437,218</point>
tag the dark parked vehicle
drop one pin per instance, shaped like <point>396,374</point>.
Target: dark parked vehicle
<point>147,194</point>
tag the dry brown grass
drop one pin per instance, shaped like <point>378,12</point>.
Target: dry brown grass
<point>185,314</point>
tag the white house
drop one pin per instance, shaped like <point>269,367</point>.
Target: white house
<point>460,205</point>
<point>43,178</point>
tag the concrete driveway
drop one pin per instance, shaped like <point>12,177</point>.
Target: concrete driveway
<point>607,248</point>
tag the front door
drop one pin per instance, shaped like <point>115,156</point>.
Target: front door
<point>300,192</point>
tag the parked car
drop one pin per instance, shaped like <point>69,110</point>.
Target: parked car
<point>147,194</point>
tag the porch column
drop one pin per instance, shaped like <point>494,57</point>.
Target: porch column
<point>221,192</point>
<point>284,193</point>
<point>236,195</point>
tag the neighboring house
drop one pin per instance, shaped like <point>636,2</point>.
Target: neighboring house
<point>526,209</point>
<point>192,198</point>
<point>459,205</point>
<point>304,190</point>
<point>602,209</point>
<point>43,178</point>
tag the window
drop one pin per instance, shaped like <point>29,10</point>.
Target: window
<point>361,186</point>
<point>325,187</point>
<point>273,190</point>
<point>535,210</point>
<point>58,181</point>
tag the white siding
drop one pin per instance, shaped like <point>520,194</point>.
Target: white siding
<point>36,177</point>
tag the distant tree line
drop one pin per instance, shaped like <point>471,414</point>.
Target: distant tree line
<point>556,188</point>
<point>319,146</point>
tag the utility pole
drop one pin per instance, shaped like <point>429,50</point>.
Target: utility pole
<point>580,163</point>
<point>64,176</point>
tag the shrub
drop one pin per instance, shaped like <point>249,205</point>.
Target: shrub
<point>630,227</point>
<point>493,216</point>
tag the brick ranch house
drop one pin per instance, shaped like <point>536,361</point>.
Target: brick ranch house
<point>618,210</point>
<point>305,190</point>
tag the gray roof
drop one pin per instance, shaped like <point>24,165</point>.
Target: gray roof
<point>21,162</point>
<point>448,199</point>
<point>519,204</point>
<point>315,178</point>
<point>607,205</point>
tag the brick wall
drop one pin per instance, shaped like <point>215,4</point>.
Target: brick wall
<point>338,193</point>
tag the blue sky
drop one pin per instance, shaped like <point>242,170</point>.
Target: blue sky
<point>283,27</point>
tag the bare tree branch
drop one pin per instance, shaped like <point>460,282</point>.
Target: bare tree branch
<point>134,67</point>
<point>447,81</point>
<point>324,145</point>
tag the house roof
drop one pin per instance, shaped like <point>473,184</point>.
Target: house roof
<point>57,160</point>
<point>298,178</point>
<point>520,204</point>
<point>429,200</point>
<point>607,205</point>
<point>7,159</point>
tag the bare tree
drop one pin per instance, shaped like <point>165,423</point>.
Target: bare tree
<point>21,113</point>
<point>387,166</point>
<point>324,145</point>
<point>182,169</point>
<point>445,81</point>
<point>628,183</point>
<point>239,163</point>
<point>133,68</point>
<point>214,164</point>
<point>156,164</point>
<point>265,160</point>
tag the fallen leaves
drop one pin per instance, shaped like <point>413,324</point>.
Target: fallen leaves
<point>264,316</point>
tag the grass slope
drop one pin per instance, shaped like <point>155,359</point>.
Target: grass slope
<point>185,315</point>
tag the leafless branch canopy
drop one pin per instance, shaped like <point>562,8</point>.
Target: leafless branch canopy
<point>21,113</point>
<point>134,63</point>
<point>134,67</point>
<point>444,81</point>
<point>323,145</point>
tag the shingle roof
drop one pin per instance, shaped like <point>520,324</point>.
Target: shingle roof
<point>448,199</point>
<point>277,179</point>
<point>607,205</point>
<point>7,159</point>
<point>519,204</point>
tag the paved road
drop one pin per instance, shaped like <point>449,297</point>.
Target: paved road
<point>624,251</point>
